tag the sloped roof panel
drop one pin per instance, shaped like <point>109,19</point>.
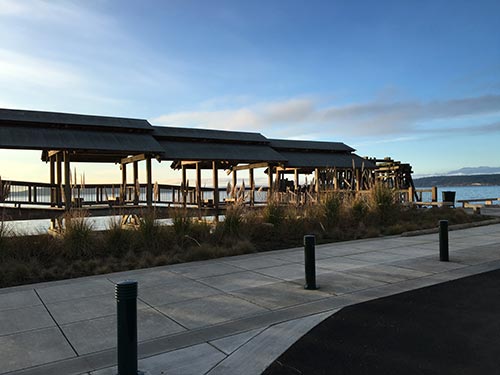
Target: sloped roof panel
<point>324,160</point>
<point>162,132</point>
<point>22,117</point>
<point>71,139</point>
<point>285,144</point>
<point>244,153</point>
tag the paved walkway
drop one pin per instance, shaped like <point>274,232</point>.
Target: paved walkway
<point>226,316</point>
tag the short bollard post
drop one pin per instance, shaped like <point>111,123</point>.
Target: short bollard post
<point>310,262</point>
<point>126,308</point>
<point>443,241</point>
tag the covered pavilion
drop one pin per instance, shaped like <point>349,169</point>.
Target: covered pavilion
<point>65,138</point>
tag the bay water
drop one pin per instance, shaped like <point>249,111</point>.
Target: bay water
<point>23,227</point>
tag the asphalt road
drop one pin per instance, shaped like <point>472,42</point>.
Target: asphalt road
<point>449,328</point>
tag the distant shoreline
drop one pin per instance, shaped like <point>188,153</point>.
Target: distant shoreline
<point>465,180</point>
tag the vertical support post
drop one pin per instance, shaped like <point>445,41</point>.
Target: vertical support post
<point>53,197</point>
<point>235,181</point>
<point>335,179</point>
<point>269,182</point>
<point>443,241</point>
<point>296,185</point>
<point>59,179</point>
<point>316,178</point>
<point>198,184</point>
<point>216,184</point>
<point>67,179</point>
<point>124,183</point>
<point>310,262</point>
<point>411,194</point>
<point>252,186</point>
<point>149,184</point>
<point>358,179</point>
<point>136,182</point>
<point>184,187</point>
<point>434,193</point>
<point>126,309</point>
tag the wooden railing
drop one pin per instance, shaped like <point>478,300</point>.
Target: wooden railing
<point>45,194</point>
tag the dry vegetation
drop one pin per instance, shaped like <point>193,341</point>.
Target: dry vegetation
<point>82,251</point>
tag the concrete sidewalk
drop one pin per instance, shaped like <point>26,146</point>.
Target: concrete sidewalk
<point>225,316</point>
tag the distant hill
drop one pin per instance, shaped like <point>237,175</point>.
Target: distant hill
<point>458,180</point>
<point>474,170</point>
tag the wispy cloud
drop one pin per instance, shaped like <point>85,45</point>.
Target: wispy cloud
<point>71,55</point>
<point>23,69</point>
<point>375,118</point>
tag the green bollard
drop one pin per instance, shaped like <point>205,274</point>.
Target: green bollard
<point>310,262</point>
<point>126,308</point>
<point>443,241</point>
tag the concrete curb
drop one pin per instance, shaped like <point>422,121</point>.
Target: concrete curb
<point>451,228</point>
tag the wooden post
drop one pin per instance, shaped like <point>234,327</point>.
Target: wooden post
<point>53,198</point>
<point>235,182</point>
<point>434,193</point>
<point>124,183</point>
<point>59,179</point>
<point>358,179</point>
<point>198,184</point>
<point>270,182</point>
<point>124,175</point>
<point>67,180</point>
<point>316,178</point>
<point>184,187</point>
<point>216,184</point>
<point>252,186</point>
<point>149,184</point>
<point>411,194</point>
<point>136,182</point>
<point>335,179</point>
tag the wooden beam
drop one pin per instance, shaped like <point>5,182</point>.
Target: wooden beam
<point>53,153</point>
<point>248,166</point>
<point>189,162</point>
<point>296,178</point>
<point>135,158</point>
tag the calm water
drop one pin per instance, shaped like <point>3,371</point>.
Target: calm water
<point>468,192</point>
<point>100,223</point>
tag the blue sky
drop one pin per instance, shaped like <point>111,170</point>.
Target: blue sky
<point>415,80</point>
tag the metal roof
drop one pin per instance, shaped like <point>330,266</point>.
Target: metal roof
<point>324,160</point>
<point>39,118</point>
<point>33,138</point>
<point>162,132</point>
<point>216,151</point>
<point>285,144</point>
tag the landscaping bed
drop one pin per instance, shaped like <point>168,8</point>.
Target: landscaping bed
<point>81,251</point>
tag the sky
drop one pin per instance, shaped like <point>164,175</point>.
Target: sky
<point>418,81</point>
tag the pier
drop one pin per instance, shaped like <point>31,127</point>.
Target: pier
<point>298,171</point>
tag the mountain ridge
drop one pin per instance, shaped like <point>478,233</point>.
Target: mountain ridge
<point>459,180</point>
